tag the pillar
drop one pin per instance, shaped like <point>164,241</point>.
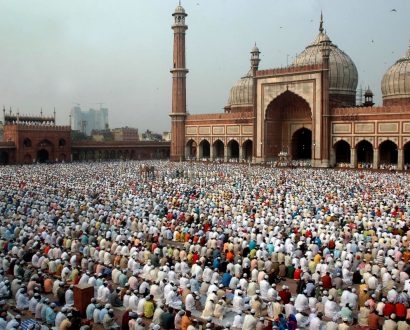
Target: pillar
<point>240,153</point>
<point>376,158</point>
<point>332,157</point>
<point>197,155</point>
<point>225,153</point>
<point>353,158</point>
<point>400,159</point>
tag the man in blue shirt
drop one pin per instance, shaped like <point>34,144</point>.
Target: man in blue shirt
<point>226,278</point>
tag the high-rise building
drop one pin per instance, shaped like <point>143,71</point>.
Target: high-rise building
<point>86,121</point>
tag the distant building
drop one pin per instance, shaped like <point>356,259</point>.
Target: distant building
<point>166,136</point>
<point>32,139</point>
<point>87,121</point>
<point>151,136</point>
<point>125,134</point>
<point>100,135</point>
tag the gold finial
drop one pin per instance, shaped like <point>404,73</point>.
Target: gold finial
<point>321,22</point>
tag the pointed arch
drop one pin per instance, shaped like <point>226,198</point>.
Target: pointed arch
<point>191,149</point>
<point>342,151</point>
<point>218,149</point>
<point>388,152</point>
<point>247,149</point>
<point>289,99</point>
<point>204,149</point>
<point>282,113</point>
<point>233,150</point>
<point>364,150</point>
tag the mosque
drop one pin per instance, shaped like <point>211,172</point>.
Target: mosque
<point>306,111</point>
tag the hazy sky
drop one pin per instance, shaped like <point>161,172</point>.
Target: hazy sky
<point>56,53</point>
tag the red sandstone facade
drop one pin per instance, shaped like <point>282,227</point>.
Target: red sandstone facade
<point>35,139</point>
<point>28,140</point>
<point>307,111</point>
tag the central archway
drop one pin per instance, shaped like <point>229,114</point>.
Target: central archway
<point>42,156</point>
<point>284,112</point>
<point>302,144</point>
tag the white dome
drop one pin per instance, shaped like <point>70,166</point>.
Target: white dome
<point>241,93</point>
<point>396,81</point>
<point>343,75</point>
<point>179,10</point>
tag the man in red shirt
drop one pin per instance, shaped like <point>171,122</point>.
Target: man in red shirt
<point>195,257</point>
<point>327,281</point>
<point>389,309</point>
<point>285,295</point>
<point>401,311</point>
<point>297,275</point>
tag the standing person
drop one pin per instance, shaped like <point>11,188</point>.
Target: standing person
<point>126,317</point>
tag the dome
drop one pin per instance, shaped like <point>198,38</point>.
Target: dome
<point>343,75</point>
<point>179,10</point>
<point>241,93</point>
<point>396,81</point>
<point>368,92</point>
<point>255,49</point>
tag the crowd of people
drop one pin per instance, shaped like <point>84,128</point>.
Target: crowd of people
<point>203,246</point>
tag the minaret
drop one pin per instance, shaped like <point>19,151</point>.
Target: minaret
<point>255,60</point>
<point>325,140</point>
<point>179,72</point>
